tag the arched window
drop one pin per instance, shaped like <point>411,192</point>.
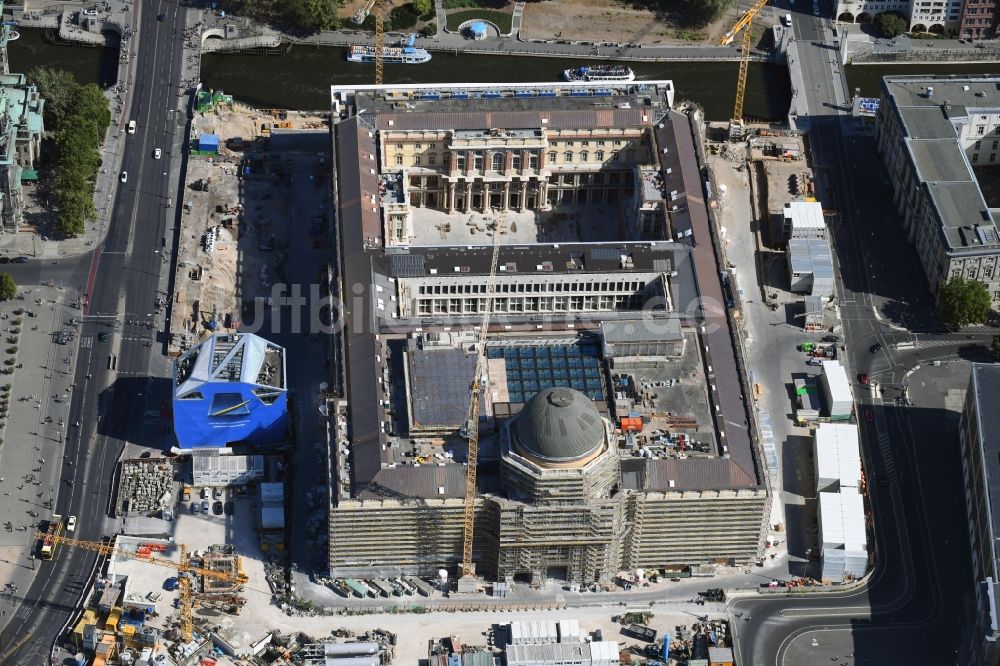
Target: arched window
<point>532,161</point>
<point>497,161</point>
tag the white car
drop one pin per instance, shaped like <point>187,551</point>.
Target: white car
<point>156,154</point>
<point>71,524</point>
<point>124,177</point>
<point>90,12</point>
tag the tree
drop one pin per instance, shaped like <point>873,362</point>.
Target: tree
<point>890,25</point>
<point>8,288</point>
<point>57,87</point>
<point>996,348</point>
<point>423,7</point>
<point>962,302</point>
<point>311,15</point>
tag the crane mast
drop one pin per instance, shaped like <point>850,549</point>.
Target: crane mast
<point>184,566</point>
<point>472,422</point>
<point>746,25</point>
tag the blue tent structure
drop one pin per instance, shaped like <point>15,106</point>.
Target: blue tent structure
<point>208,143</point>
<point>230,389</point>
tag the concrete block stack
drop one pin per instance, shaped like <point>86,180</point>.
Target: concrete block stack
<point>145,487</point>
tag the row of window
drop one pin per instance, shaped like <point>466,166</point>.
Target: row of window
<point>433,306</point>
<point>993,157</point>
<point>996,144</point>
<point>627,286</point>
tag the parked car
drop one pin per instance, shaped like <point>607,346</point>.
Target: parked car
<point>875,348</point>
<point>814,361</point>
<point>831,338</point>
<point>19,260</point>
<point>217,493</point>
<point>217,508</point>
<point>124,176</point>
<point>194,507</point>
<point>863,379</point>
<point>4,260</point>
<point>204,506</point>
<point>229,508</point>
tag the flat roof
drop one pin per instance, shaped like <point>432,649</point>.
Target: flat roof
<point>439,386</point>
<point>842,520</point>
<point>928,108</point>
<point>838,453</point>
<point>811,255</point>
<point>805,214</point>
<point>459,261</point>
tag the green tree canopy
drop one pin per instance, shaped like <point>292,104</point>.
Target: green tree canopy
<point>311,15</point>
<point>890,25</point>
<point>996,348</point>
<point>8,288</point>
<point>423,7</point>
<point>962,302</point>
<point>57,87</point>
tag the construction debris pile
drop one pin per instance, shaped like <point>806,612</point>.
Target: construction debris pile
<point>706,639</point>
<point>146,487</point>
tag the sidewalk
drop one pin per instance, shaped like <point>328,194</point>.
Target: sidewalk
<point>34,244</point>
<point>31,455</point>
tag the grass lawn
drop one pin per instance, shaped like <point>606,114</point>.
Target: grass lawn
<point>475,4</point>
<point>500,19</point>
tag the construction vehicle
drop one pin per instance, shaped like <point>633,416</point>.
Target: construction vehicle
<point>187,571</point>
<point>745,23</point>
<point>467,582</point>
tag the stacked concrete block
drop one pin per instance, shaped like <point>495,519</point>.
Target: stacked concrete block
<point>145,487</point>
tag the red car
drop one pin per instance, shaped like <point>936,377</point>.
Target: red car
<point>868,415</point>
<point>863,379</point>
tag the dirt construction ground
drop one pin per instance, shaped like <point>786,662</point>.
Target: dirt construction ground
<point>610,21</point>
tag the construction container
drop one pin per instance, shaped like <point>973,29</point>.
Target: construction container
<point>631,424</point>
<point>837,390</point>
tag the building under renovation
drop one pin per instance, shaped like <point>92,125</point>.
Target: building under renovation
<point>613,432</point>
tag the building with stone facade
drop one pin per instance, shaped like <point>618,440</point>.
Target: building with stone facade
<point>592,191</point>
<point>979,436</point>
<point>21,130</point>
<point>931,132</point>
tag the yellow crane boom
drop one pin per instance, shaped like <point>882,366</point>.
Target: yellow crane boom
<point>379,40</point>
<point>472,422</point>
<point>745,23</point>
<point>14,648</point>
<point>187,622</point>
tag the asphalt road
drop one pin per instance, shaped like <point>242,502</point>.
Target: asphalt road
<point>918,598</point>
<point>122,282</point>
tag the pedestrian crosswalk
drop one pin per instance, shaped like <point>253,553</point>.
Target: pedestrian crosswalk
<point>887,462</point>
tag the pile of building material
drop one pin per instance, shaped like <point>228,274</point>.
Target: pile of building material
<point>146,487</point>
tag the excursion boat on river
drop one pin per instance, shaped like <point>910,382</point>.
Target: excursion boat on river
<point>404,54</point>
<point>599,73</point>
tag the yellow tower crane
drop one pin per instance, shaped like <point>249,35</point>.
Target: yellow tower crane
<point>468,579</point>
<point>14,648</point>
<point>746,25</point>
<point>379,40</point>
<point>187,623</point>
